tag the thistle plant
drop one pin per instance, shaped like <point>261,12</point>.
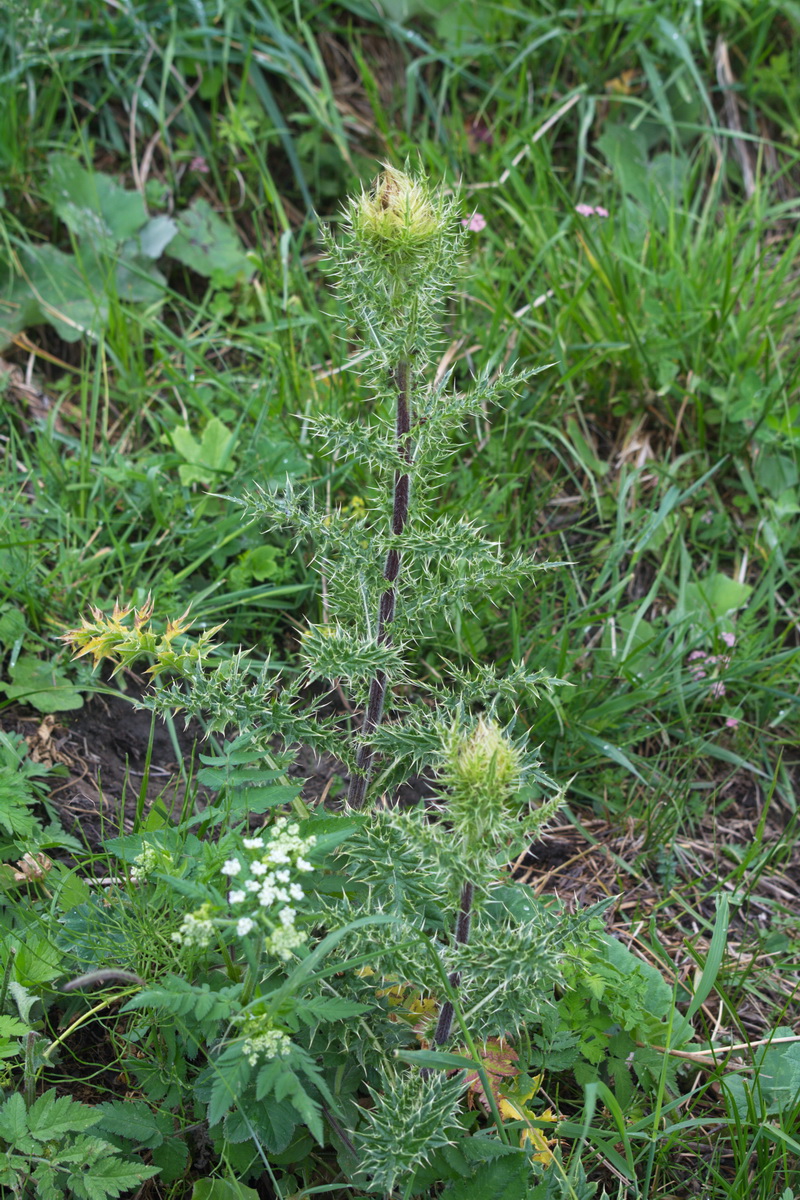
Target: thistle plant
<point>424,901</point>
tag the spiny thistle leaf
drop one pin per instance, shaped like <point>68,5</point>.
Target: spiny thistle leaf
<point>412,1117</point>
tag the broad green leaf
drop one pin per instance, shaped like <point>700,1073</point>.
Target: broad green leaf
<point>56,288</point>
<point>37,961</point>
<point>208,458</point>
<point>626,151</point>
<point>272,1123</point>
<point>715,597</point>
<point>94,205</point>
<point>171,1158</point>
<point>210,246</point>
<point>42,685</point>
<point>23,998</point>
<point>13,627</point>
<point>137,281</point>
<point>289,1087</point>
<point>156,235</point>
<point>19,308</point>
<point>774,1087</point>
<point>439,1060</point>
<point>72,892</point>
<point>506,1178</point>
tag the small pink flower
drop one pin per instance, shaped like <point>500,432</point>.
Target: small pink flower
<point>589,210</point>
<point>732,722</point>
<point>729,639</point>
<point>475,223</point>
<point>718,689</point>
<point>697,654</point>
<point>200,165</point>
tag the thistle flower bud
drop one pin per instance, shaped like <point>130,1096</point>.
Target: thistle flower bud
<point>483,771</point>
<point>397,216</point>
<point>487,755</point>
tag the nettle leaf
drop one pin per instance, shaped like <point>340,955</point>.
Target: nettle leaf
<point>52,1117</point>
<point>505,1178</point>
<point>135,1121</point>
<point>171,1158</point>
<point>13,1120</point>
<point>37,961</point>
<point>271,1124</point>
<point>208,458</point>
<point>210,246</point>
<point>84,1149</point>
<point>109,1178</point>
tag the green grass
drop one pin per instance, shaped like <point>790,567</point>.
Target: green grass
<point>659,456</point>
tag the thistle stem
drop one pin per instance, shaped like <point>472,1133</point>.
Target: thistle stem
<point>445,1023</point>
<point>388,600</point>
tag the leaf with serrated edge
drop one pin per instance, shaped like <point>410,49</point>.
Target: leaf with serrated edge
<point>50,1118</point>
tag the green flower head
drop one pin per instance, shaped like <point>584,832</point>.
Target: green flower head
<point>487,756</point>
<point>397,216</point>
<point>483,771</point>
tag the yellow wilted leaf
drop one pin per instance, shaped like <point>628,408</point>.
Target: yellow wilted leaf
<point>622,85</point>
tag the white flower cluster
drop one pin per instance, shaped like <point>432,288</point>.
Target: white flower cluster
<point>266,877</point>
<point>272,1043</point>
<point>151,859</point>
<point>196,928</point>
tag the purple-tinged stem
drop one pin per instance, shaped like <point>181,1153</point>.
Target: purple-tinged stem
<point>446,1013</point>
<point>388,601</point>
